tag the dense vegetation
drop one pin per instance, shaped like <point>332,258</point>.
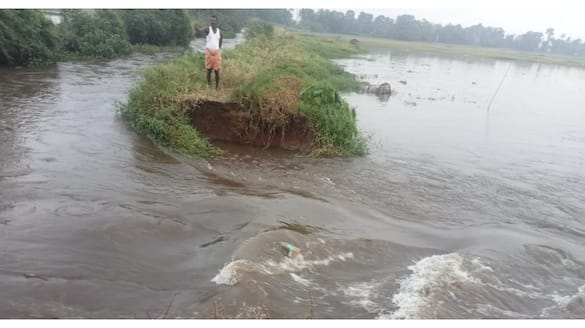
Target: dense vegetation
<point>159,27</point>
<point>274,75</point>
<point>28,38</point>
<point>99,35</point>
<point>110,33</point>
<point>407,28</point>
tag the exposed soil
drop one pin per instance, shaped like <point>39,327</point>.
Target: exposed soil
<point>227,121</point>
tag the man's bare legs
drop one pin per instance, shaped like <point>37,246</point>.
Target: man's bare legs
<point>216,78</point>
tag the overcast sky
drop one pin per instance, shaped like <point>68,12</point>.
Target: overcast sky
<point>513,20</point>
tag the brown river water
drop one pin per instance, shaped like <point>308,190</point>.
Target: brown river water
<point>457,212</point>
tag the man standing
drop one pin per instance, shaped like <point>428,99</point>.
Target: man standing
<point>212,50</point>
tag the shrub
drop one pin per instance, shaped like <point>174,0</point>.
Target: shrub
<point>162,27</point>
<point>333,120</point>
<point>26,37</point>
<point>260,29</point>
<point>101,35</point>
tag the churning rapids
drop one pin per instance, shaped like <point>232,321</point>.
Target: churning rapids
<point>457,212</point>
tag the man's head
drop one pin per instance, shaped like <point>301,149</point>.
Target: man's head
<point>214,21</point>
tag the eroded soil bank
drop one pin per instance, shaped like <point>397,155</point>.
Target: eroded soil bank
<point>228,121</point>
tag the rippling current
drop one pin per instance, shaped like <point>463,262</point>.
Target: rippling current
<point>457,212</point>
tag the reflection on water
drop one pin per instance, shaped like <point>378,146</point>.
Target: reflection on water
<point>457,212</point>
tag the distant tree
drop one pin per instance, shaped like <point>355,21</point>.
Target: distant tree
<point>307,17</point>
<point>575,48</point>
<point>473,34</point>
<point>567,46</point>
<point>382,26</point>
<point>452,34</point>
<point>277,16</point>
<point>260,29</point>
<point>529,41</point>
<point>550,32</point>
<point>428,31</point>
<point>364,23</point>
<point>408,28</point>
<point>494,37</point>
<point>349,22</point>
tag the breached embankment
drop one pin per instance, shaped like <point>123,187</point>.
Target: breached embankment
<point>231,122</point>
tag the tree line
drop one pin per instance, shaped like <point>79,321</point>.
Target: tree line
<point>27,37</point>
<point>408,28</point>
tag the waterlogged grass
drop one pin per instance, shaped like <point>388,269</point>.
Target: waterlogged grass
<point>334,120</point>
<point>273,77</point>
<point>154,110</point>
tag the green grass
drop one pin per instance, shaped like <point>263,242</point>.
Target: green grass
<point>259,62</point>
<point>334,120</point>
<point>153,107</point>
<point>252,75</point>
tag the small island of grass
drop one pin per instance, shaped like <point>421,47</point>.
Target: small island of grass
<point>277,89</point>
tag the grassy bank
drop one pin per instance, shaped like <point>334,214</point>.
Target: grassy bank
<point>372,43</point>
<point>273,76</point>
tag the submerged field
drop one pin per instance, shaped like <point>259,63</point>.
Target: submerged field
<point>275,77</point>
<point>372,43</point>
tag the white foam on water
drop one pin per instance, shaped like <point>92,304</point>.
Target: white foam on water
<point>569,264</point>
<point>564,302</point>
<point>231,273</point>
<point>301,280</point>
<point>362,294</point>
<point>298,263</point>
<point>429,275</point>
<point>434,274</point>
<point>478,266</point>
<point>481,266</point>
<point>328,180</point>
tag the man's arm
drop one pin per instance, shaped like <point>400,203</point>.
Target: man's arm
<point>220,38</point>
<point>204,30</point>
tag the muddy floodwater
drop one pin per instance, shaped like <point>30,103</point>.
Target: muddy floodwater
<point>457,212</point>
